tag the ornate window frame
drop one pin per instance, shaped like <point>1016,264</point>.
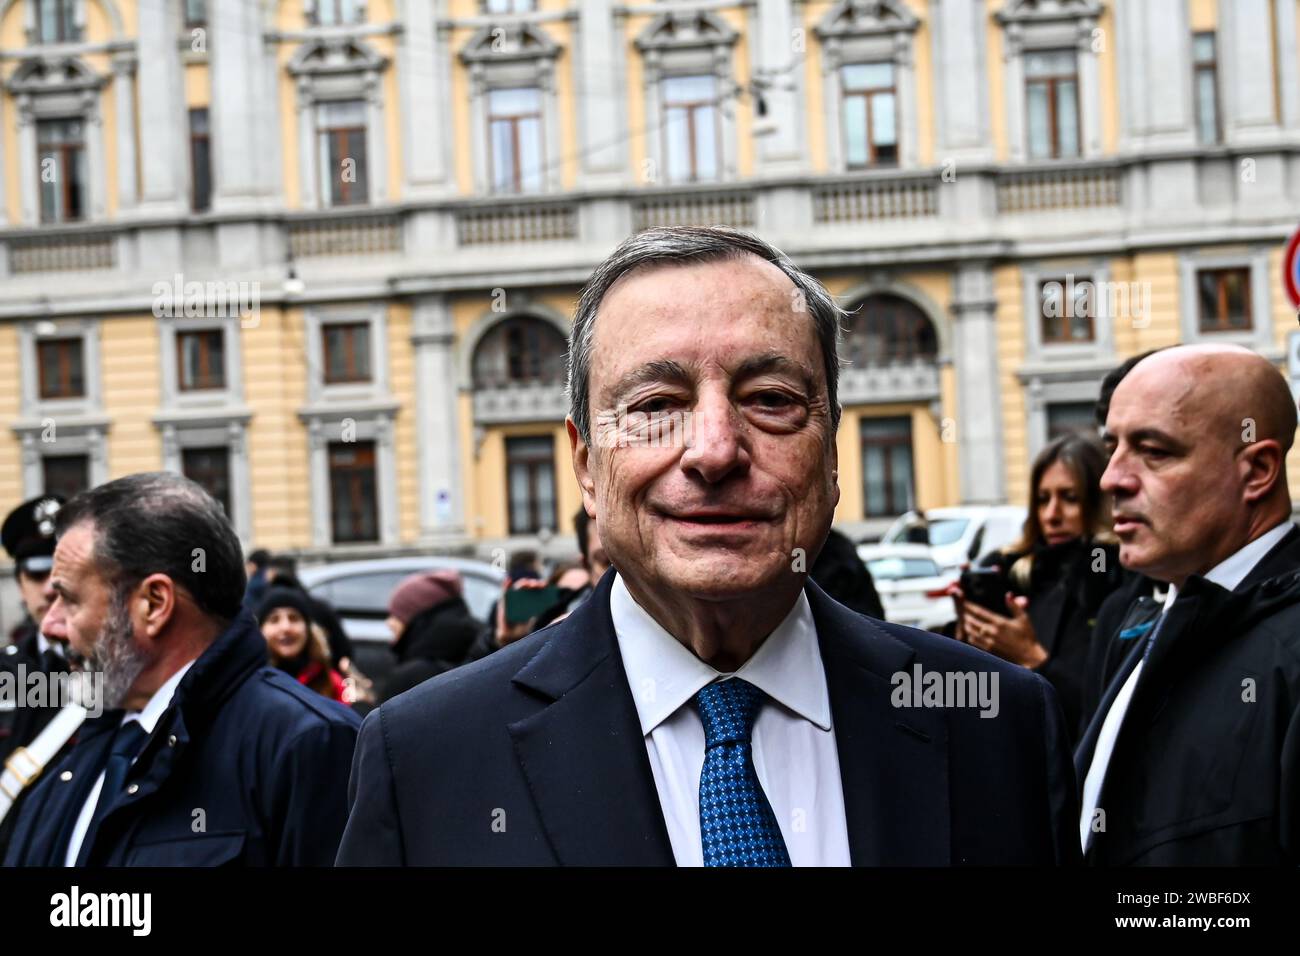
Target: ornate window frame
<point>172,395</point>
<point>688,43</point>
<point>1102,346</point>
<point>58,87</point>
<point>1032,25</point>
<point>526,403</point>
<point>509,54</point>
<point>856,31</point>
<point>61,426</point>
<point>363,421</point>
<point>225,427</point>
<point>339,67</point>
<point>1260,336</point>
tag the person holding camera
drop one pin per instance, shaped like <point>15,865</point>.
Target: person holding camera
<point>1035,602</point>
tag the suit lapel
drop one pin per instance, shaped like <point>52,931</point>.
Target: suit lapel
<point>583,753</point>
<point>893,763</point>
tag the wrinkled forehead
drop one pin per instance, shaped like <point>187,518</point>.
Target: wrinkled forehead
<point>697,311</point>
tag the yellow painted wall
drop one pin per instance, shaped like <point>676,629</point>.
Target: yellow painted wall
<point>931,481</point>
<point>401,382</point>
<point>129,363</point>
<point>996,85</point>
<point>921,49</point>
<point>11,476</point>
<point>815,118</point>
<point>1108,77</point>
<point>1009,321</point>
<point>274,369</point>
<point>198,86</point>
<point>490,477</point>
<point>1203,14</point>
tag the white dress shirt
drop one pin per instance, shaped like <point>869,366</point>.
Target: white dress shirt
<point>1227,574</point>
<point>148,719</point>
<point>794,750</point>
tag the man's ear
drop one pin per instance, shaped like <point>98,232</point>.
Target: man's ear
<point>1265,463</point>
<point>581,453</point>
<point>155,603</point>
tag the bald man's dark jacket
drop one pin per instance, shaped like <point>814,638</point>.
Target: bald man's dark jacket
<point>1206,766</point>
<point>535,756</point>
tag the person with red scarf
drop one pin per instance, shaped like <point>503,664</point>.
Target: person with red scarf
<point>297,646</point>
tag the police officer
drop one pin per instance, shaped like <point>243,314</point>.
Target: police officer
<point>28,536</point>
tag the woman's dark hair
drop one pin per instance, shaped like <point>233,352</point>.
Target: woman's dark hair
<point>1085,461</point>
<point>162,523</point>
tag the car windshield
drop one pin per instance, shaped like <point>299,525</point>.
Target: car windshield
<point>367,594</point>
<point>895,569</point>
<point>941,531</point>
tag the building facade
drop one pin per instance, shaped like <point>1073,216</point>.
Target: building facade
<point>321,255</point>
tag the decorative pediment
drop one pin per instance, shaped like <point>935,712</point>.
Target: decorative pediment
<point>861,18</point>
<point>334,55</point>
<point>683,30</point>
<point>53,75</point>
<point>501,42</point>
<point>1048,11</point>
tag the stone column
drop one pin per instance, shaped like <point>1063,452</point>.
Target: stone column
<point>979,391</point>
<point>437,416</point>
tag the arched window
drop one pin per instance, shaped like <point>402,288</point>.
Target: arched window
<point>888,328</point>
<point>522,350</point>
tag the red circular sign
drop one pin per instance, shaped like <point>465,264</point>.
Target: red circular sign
<point>1290,278</point>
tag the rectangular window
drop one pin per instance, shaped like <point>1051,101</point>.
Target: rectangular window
<point>347,352</point>
<point>337,12</point>
<point>1052,101</point>
<point>341,129</point>
<point>61,154</point>
<point>200,160</point>
<point>65,475</point>
<point>1067,310</point>
<point>56,21</point>
<point>515,139</point>
<point>210,469</point>
<point>887,487</point>
<point>1223,297</point>
<point>196,13</point>
<point>200,360</point>
<point>354,507</point>
<point>1205,81</point>
<point>61,369</point>
<point>691,131</point>
<point>870,114</point>
<point>530,476</point>
<point>1071,418</point>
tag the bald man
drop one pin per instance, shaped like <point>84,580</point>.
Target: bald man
<point>1192,757</point>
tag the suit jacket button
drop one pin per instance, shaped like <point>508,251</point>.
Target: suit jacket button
<point>65,776</point>
<point>133,788</point>
<point>171,741</point>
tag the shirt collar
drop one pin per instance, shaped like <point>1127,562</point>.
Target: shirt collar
<point>1232,570</point>
<point>159,702</point>
<point>663,674</point>
<point>44,644</point>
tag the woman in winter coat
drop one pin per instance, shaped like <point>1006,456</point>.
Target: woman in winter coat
<point>1057,575</point>
<point>296,645</point>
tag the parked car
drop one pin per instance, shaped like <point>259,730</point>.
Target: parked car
<point>359,592</point>
<point>907,578</point>
<point>958,535</point>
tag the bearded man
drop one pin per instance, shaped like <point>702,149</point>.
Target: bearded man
<point>204,754</point>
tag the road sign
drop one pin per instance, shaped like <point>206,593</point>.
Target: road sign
<point>1290,276</point>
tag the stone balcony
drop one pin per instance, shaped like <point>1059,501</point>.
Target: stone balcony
<point>887,217</point>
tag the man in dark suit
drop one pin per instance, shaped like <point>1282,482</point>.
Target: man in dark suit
<point>709,704</point>
<point>203,755</point>
<point>1190,758</point>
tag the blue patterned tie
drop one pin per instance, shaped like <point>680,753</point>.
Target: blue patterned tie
<point>737,825</point>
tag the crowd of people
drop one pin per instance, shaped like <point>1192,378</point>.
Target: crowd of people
<point>687,691</point>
